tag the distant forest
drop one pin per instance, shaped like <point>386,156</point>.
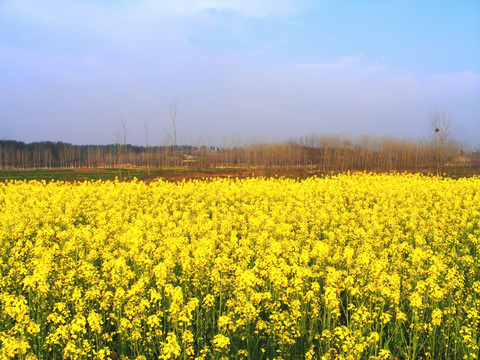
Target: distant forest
<point>318,152</point>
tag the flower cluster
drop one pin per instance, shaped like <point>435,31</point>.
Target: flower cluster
<point>356,266</point>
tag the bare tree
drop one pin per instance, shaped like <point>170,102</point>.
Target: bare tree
<point>171,136</point>
<point>117,143</point>
<point>125,148</point>
<point>173,119</point>
<point>124,141</point>
<point>147,149</point>
<point>440,124</point>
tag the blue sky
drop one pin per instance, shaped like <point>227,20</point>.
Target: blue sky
<point>249,70</point>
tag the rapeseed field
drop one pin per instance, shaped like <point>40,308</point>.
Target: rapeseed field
<point>356,266</point>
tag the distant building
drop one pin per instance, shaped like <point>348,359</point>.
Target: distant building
<point>461,160</point>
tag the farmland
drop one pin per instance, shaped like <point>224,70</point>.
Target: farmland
<point>358,266</point>
<point>148,175</point>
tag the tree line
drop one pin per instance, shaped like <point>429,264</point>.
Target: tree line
<point>323,153</point>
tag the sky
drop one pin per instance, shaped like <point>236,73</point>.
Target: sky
<point>94,72</point>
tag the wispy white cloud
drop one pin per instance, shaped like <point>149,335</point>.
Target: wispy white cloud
<point>248,8</point>
<point>465,77</point>
<point>130,23</point>
<point>107,60</point>
<point>353,96</point>
<point>62,12</point>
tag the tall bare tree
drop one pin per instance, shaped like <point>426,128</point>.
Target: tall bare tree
<point>173,119</point>
<point>440,124</point>
<point>147,149</point>
<point>124,141</point>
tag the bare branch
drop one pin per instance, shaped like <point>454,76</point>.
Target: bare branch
<point>173,119</point>
<point>440,132</point>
